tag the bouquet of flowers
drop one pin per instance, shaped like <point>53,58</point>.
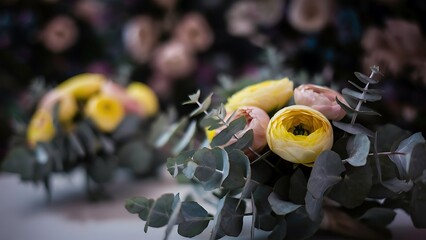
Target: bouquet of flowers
<point>89,121</point>
<point>293,161</point>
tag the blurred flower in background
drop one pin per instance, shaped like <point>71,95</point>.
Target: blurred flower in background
<point>175,47</point>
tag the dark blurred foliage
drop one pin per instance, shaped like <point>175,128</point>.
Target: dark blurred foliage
<point>334,50</point>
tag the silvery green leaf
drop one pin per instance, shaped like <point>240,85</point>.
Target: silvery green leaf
<point>176,206</point>
<point>374,91</point>
<point>402,161</point>
<point>365,79</point>
<point>226,134</point>
<point>362,111</point>
<point>243,142</point>
<point>358,148</point>
<point>212,122</point>
<point>19,160</point>
<point>281,207</point>
<point>171,131</point>
<point>176,164</point>
<point>193,219</point>
<point>189,171</point>
<point>160,212</point>
<point>239,163</point>
<point>187,137</point>
<point>361,96</point>
<point>193,98</point>
<point>217,218</point>
<point>397,186</point>
<point>139,205</point>
<point>378,217</point>
<point>203,107</point>
<point>232,215</point>
<point>418,161</point>
<point>213,167</point>
<point>41,154</point>
<point>353,128</point>
<point>76,145</point>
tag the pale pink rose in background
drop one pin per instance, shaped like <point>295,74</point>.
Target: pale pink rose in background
<point>116,91</point>
<point>59,34</point>
<point>166,4</point>
<point>194,31</point>
<point>320,98</point>
<point>241,19</point>
<point>140,35</point>
<point>91,11</point>
<point>310,16</point>
<point>174,60</point>
<point>257,120</point>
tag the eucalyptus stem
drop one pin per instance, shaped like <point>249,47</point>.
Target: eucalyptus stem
<point>358,106</point>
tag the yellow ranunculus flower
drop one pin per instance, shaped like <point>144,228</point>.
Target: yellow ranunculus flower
<point>41,127</point>
<point>299,134</point>
<point>268,95</point>
<point>82,86</point>
<point>105,112</point>
<point>144,95</point>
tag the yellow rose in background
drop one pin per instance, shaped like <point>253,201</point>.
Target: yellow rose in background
<point>268,95</point>
<point>41,127</point>
<point>299,134</point>
<point>145,96</point>
<point>83,86</point>
<point>105,112</point>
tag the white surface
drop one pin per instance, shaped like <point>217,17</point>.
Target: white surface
<point>24,213</point>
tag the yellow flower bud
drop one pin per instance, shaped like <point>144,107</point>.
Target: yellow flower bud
<point>299,134</point>
<point>268,95</point>
<point>41,127</point>
<point>105,112</point>
<point>83,86</point>
<point>145,96</point>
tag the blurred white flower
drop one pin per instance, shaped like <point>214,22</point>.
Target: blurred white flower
<point>310,16</point>
<point>140,35</point>
<point>59,34</point>
<point>194,31</point>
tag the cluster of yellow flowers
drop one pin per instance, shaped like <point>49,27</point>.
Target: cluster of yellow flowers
<point>297,133</point>
<point>104,102</point>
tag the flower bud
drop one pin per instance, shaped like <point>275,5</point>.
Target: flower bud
<point>322,99</point>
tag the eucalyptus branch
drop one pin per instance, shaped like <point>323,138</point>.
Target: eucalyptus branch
<point>358,106</point>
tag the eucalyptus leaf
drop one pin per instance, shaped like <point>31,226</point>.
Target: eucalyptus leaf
<point>418,202</point>
<point>299,225</point>
<point>189,170</point>
<point>325,173</point>
<point>174,217</point>
<point>370,97</point>
<point>21,161</point>
<point>355,186</point>
<point>389,136</point>
<point>280,230</point>
<point>213,167</point>
<point>397,186</point>
<point>136,156</point>
<point>232,215</point>
<point>226,134</point>
<point>378,217</point>
<point>245,141</point>
<point>217,220</point>
<point>365,79</point>
<point>358,148</point>
<point>298,187</point>
<point>175,165</point>
<point>127,128</point>
<point>139,205</point>
<point>238,165</point>
<point>418,161</point>
<point>281,207</point>
<point>102,170</point>
<point>402,161</point>
<point>211,122</point>
<point>193,98</point>
<point>194,219</point>
<point>362,111</point>
<point>88,138</point>
<point>160,212</point>
<point>203,107</point>
<point>185,139</point>
<point>353,128</point>
<point>170,132</point>
<point>375,91</point>
<point>75,145</point>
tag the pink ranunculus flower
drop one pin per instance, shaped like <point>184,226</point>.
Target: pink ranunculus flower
<point>320,98</point>
<point>116,91</point>
<point>257,120</point>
